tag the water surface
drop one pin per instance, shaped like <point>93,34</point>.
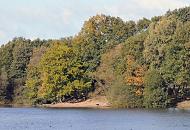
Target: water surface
<point>93,119</point>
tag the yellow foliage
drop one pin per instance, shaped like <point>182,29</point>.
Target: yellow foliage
<point>135,72</point>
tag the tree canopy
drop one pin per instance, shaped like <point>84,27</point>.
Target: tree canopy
<point>142,64</point>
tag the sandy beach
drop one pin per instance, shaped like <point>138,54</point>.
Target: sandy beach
<point>184,105</point>
<point>99,102</point>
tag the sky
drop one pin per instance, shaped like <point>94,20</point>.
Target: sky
<point>54,19</point>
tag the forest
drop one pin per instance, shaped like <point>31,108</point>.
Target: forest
<point>137,64</point>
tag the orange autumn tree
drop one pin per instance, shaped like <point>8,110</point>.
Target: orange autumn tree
<point>134,74</point>
<point>135,69</point>
<point>126,90</point>
<point>135,66</point>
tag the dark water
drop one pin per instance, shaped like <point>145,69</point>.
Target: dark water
<point>91,119</point>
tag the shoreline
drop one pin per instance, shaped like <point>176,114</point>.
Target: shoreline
<point>94,103</point>
<point>185,105</point>
<point>99,103</point>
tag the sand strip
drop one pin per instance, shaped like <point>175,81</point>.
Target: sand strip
<point>90,103</point>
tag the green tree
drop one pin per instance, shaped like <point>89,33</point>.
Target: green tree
<point>33,81</point>
<point>121,95</point>
<point>63,75</point>
<point>99,34</point>
<point>143,24</point>
<point>3,85</point>
<point>155,95</point>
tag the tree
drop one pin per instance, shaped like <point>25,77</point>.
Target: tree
<point>155,95</point>
<point>108,69</point>
<point>63,75</point>
<point>134,61</point>
<point>99,34</point>
<point>6,57</point>
<point>121,95</point>
<point>33,81</point>
<point>3,85</point>
<point>143,24</point>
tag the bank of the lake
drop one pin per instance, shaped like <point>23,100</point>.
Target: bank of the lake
<point>101,102</point>
<point>97,102</point>
<point>184,105</point>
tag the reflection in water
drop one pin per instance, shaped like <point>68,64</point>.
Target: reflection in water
<point>93,119</point>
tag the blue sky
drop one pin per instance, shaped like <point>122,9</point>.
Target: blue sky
<point>59,18</point>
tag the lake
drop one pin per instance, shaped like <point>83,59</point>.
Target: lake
<point>93,119</point>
